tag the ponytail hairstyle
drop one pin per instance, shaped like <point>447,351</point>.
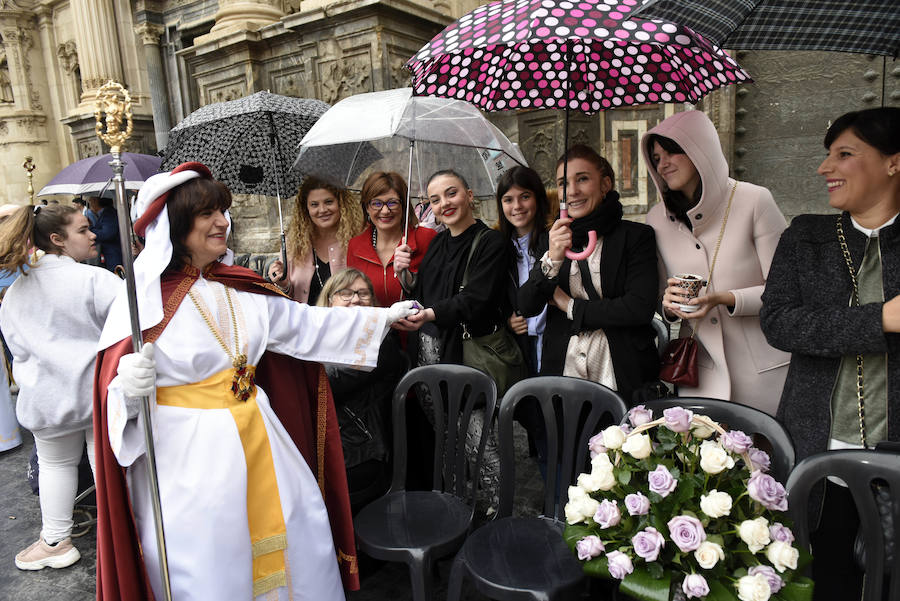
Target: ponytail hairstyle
<point>31,226</point>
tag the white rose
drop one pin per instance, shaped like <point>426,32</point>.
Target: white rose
<point>613,437</point>
<point>709,554</point>
<point>701,430</point>
<point>597,480</point>
<point>580,508</point>
<point>782,555</point>
<point>714,459</point>
<point>755,533</point>
<point>576,492</point>
<point>754,588</point>
<point>638,446</point>
<point>601,461</point>
<point>716,504</point>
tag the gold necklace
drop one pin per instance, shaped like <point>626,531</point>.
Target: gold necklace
<point>243,381</point>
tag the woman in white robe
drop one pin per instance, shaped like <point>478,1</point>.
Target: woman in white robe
<point>226,465</point>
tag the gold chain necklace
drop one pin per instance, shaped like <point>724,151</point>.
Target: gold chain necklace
<point>243,380</point>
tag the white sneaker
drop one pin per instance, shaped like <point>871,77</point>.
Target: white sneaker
<point>40,555</point>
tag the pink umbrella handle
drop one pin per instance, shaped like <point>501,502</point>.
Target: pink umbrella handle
<point>592,241</point>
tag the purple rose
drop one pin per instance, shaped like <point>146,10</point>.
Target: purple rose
<point>678,419</point>
<point>589,547</point>
<point>737,442</point>
<point>760,459</point>
<point>639,415</point>
<point>647,543</point>
<point>694,585</point>
<point>608,514</point>
<point>661,481</point>
<point>637,504</point>
<point>686,532</point>
<point>780,532</point>
<point>619,564</point>
<point>768,491</point>
<point>595,444</point>
<point>775,581</point>
<point>626,428</point>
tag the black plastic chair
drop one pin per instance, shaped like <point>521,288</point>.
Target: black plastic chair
<point>526,557</point>
<point>734,416</point>
<point>418,527</point>
<point>661,330</point>
<point>858,468</point>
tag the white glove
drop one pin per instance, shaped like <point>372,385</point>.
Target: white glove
<point>402,309</point>
<point>137,372</point>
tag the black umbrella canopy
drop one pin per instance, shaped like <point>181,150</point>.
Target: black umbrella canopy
<point>863,26</point>
<point>249,144</point>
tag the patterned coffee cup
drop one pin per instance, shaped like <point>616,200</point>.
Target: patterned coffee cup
<point>691,283</point>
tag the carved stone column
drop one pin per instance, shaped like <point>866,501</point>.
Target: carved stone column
<point>97,42</point>
<point>17,42</point>
<point>159,95</point>
<point>243,15</point>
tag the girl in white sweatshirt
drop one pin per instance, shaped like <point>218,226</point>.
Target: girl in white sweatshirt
<point>51,318</point>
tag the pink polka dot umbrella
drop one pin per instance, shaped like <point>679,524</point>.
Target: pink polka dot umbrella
<point>584,55</point>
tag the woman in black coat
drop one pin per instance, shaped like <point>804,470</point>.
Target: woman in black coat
<point>600,308</point>
<point>806,312</point>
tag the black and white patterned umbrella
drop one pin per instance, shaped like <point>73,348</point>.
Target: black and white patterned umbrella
<point>865,26</point>
<point>249,144</point>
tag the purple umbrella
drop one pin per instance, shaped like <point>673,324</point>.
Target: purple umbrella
<point>93,174</point>
<point>583,55</point>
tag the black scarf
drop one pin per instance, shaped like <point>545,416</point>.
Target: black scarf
<point>603,220</point>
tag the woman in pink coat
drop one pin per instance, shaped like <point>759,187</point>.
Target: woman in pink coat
<point>690,171</point>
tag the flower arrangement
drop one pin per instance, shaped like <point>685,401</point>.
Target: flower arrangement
<point>678,504</point>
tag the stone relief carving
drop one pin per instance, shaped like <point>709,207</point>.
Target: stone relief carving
<point>67,54</point>
<point>19,41</point>
<point>225,94</point>
<point>543,152</point>
<point>347,77</point>
<point>400,75</point>
<point>88,148</point>
<point>6,91</point>
<point>291,84</point>
<point>4,128</point>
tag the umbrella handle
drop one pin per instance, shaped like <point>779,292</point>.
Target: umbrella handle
<point>592,241</point>
<point>284,261</point>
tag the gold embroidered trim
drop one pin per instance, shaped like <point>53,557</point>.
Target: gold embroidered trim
<point>268,583</point>
<point>351,559</point>
<point>363,340</point>
<point>169,309</point>
<point>269,545</point>
<point>321,427</point>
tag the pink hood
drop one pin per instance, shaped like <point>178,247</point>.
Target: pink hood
<point>697,135</point>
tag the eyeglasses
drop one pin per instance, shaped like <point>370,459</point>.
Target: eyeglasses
<point>392,205</point>
<point>347,294</point>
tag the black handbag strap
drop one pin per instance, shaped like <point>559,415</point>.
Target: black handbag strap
<point>465,278</point>
<point>586,280</point>
<point>475,240</point>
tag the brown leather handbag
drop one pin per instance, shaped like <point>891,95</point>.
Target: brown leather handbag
<point>679,362</point>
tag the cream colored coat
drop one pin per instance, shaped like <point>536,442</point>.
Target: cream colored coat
<point>735,361</point>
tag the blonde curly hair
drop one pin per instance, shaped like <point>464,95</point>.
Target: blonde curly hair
<point>301,230</point>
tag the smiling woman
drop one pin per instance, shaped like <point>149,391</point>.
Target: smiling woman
<point>842,388</point>
<point>325,219</point>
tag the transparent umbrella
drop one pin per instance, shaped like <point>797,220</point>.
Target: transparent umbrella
<point>395,131</point>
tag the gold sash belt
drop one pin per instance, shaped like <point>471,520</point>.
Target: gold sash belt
<point>264,516</point>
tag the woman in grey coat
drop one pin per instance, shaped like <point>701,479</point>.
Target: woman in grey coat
<point>810,309</point>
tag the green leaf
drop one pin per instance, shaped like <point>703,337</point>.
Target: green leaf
<point>644,587</point>
<point>719,591</point>
<point>655,569</point>
<point>597,567</point>
<point>623,476</point>
<point>800,589</point>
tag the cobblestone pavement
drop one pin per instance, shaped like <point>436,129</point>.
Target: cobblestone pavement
<point>21,523</point>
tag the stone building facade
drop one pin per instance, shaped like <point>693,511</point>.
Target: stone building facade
<point>178,55</point>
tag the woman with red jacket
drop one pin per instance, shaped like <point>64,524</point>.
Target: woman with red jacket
<point>373,251</point>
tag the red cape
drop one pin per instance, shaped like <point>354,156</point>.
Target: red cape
<point>301,398</point>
